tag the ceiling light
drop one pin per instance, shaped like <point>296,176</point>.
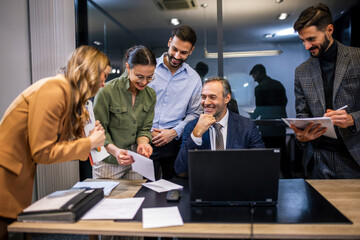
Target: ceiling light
<point>269,35</point>
<point>285,32</point>
<point>283,16</point>
<point>279,1</point>
<point>175,21</point>
<point>97,43</point>
<point>263,53</point>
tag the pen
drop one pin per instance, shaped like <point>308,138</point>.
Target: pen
<point>343,107</point>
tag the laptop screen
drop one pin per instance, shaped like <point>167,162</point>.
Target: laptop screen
<point>234,177</point>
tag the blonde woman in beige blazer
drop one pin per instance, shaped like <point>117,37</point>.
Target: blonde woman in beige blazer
<point>44,124</point>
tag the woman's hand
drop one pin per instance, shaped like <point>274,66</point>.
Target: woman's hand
<point>97,136</point>
<point>123,158</point>
<point>144,149</point>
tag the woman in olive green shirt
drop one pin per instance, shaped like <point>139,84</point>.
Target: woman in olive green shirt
<point>125,108</point>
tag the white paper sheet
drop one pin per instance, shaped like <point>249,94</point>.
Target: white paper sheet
<point>162,185</point>
<point>143,165</point>
<point>301,123</point>
<point>110,208</point>
<point>107,185</point>
<point>161,217</point>
<point>96,155</point>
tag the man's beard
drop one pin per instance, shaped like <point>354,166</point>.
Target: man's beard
<point>322,48</point>
<point>177,65</point>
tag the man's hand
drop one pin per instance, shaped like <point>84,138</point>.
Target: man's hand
<point>144,149</point>
<point>311,132</point>
<point>340,118</point>
<point>204,123</point>
<point>162,137</point>
<point>123,158</point>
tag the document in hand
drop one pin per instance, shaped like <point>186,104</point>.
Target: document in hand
<point>62,206</point>
<point>98,154</point>
<point>301,123</point>
<point>143,166</point>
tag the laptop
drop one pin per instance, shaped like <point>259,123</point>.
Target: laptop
<point>234,177</point>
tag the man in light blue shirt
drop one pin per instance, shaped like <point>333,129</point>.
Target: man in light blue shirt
<point>178,90</point>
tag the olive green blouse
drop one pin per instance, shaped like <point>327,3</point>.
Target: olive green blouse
<point>124,123</point>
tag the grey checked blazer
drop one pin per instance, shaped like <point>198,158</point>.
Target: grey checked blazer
<point>310,97</point>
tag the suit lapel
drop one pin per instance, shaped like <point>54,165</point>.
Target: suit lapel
<point>206,140</point>
<point>230,132</point>
<point>315,73</point>
<point>342,62</point>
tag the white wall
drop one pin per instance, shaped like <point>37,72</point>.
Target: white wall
<point>51,28</point>
<point>14,51</point>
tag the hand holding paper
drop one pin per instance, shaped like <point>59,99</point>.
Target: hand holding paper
<point>97,154</point>
<point>307,129</point>
<point>143,166</point>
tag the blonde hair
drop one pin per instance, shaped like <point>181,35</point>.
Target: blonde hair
<point>83,72</point>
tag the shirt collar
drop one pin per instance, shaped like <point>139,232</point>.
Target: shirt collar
<point>160,61</point>
<point>224,120</point>
<point>127,79</point>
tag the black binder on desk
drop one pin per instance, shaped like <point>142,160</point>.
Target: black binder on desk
<point>62,206</point>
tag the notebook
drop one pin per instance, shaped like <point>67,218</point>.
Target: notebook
<point>234,177</point>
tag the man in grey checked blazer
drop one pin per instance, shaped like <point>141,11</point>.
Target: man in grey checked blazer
<point>328,80</point>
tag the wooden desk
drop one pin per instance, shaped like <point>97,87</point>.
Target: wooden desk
<point>343,194</point>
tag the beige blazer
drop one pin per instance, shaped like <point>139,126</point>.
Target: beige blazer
<point>32,131</point>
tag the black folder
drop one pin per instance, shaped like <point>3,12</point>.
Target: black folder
<point>57,207</point>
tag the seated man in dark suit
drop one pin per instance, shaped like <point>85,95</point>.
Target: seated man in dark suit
<point>234,131</point>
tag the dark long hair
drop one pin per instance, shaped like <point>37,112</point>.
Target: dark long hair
<point>140,55</point>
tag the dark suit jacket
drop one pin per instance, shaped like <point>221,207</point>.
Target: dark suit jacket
<point>241,133</point>
<point>310,97</point>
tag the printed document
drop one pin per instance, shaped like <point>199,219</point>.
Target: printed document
<point>108,186</point>
<point>161,217</point>
<point>99,154</point>
<point>111,208</point>
<point>143,165</point>
<point>162,185</point>
<point>301,123</point>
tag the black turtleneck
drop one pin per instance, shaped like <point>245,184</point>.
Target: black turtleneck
<point>328,65</point>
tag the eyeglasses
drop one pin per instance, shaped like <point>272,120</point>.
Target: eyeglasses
<point>140,78</point>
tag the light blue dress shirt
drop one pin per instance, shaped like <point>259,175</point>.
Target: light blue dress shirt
<point>178,96</point>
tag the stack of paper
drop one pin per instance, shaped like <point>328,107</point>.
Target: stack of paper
<point>108,186</point>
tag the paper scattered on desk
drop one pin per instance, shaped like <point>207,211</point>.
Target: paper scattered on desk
<point>111,208</point>
<point>161,217</point>
<point>162,185</point>
<point>143,165</point>
<point>107,185</point>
